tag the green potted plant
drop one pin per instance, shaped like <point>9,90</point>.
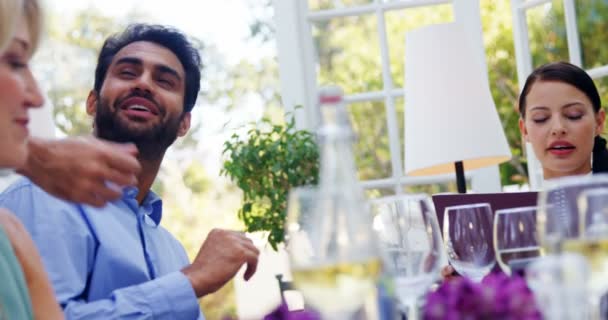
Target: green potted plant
<point>265,165</point>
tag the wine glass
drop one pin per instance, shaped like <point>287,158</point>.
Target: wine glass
<point>333,258</point>
<point>557,216</point>
<point>410,244</point>
<point>592,242</point>
<point>559,283</point>
<point>515,239</point>
<point>467,232</point>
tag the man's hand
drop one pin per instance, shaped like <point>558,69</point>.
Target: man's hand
<point>85,170</point>
<point>219,259</point>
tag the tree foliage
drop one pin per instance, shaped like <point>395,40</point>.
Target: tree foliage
<point>548,40</point>
<point>66,65</point>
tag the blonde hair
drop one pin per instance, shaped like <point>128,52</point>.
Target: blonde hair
<point>10,13</point>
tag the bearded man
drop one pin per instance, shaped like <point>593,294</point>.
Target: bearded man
<point>117,262</point>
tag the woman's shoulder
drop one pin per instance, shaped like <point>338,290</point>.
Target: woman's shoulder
<point>14,298</point>
<point>10,224</point>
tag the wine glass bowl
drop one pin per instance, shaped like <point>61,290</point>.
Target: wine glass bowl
<point>592,242</point>
<point>410,244</point>
<point>558,208</point>
<point>515,238</point>
<point>571,219</point>
<point>593,213</point>
<point>467,233</point>
<point>334,270</point>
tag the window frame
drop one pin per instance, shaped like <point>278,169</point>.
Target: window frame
<point>298,78</point>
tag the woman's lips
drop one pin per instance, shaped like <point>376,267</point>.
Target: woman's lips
<point>561,152</point>
<point>561,148</point>
<point>22,121</point>
<point>22,124</point>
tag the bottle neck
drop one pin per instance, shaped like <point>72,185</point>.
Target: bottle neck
<point>338,169</point>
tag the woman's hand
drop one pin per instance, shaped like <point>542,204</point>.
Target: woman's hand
<point>83,170</point>
<point>448,272</point>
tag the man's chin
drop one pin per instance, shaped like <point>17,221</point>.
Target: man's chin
<point>135,128</point>
<point>131,120</point>
<point>125,134</point>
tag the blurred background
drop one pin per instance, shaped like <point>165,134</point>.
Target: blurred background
<point>240,85</point>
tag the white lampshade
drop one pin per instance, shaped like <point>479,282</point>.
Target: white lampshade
<point>449,112</point>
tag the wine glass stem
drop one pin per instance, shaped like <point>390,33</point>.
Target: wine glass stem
<point>337,315</point>
<point>595,312</point>
<point>412,311</point>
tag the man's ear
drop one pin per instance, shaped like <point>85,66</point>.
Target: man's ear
<point>184,124</point>
<point>92,103</point>
<point>523,130</point>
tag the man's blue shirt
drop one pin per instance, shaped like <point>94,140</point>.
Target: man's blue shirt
<point>107,263</point>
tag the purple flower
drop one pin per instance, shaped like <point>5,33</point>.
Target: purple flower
<point>496,297</point>
<point>282,313</point>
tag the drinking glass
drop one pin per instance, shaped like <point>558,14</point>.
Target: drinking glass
<point>333,259</point>
<point>410,244</point>
<point>467,232</point>
<point>515,239</point>
<point>559,283</point>
<point>557,216</point>
<point>592,243</point>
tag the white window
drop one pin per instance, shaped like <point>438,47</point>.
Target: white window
<point>359,45</point>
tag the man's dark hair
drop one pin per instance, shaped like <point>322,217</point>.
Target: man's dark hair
<point>167,37</point>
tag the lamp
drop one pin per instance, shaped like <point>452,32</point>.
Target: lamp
<point>451,123</point>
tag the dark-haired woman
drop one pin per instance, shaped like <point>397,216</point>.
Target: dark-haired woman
<point>562,117</point>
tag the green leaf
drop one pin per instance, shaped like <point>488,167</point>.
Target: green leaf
<point>265,165</point>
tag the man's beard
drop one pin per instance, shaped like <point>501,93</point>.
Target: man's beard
<point>151,142</point>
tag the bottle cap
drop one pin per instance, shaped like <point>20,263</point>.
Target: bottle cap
<point>330,94</point>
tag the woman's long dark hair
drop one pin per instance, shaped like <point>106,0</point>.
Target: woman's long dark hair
<point>577,77</point>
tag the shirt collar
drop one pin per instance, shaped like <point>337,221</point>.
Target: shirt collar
<point>151,199</point>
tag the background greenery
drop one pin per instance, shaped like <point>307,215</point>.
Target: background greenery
<point>197,200</point>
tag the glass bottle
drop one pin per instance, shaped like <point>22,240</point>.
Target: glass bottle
<point>337,267</point>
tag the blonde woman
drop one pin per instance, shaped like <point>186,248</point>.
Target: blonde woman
<point>51,164</point>
<point>25,290</point>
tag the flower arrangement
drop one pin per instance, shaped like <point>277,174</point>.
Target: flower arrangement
<point>282,313</point>
<point>498,296</point>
